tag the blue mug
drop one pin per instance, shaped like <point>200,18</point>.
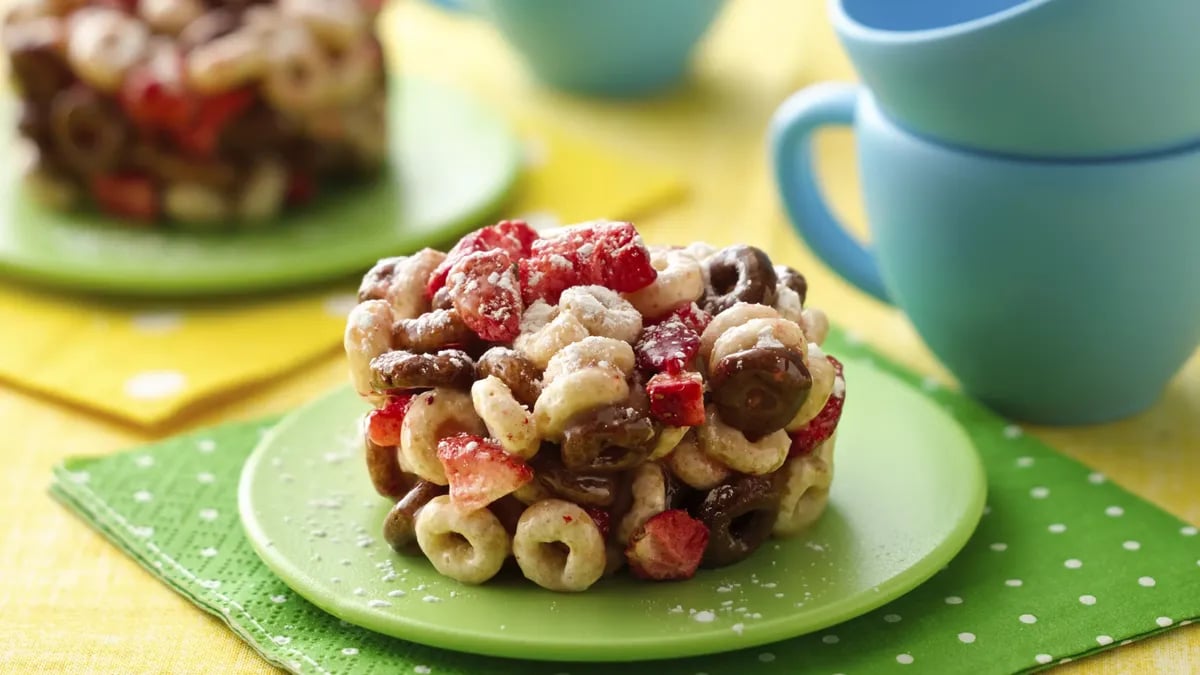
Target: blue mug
<point>618,48</point>
<point>1038,78</point>
<point>1058,292</point>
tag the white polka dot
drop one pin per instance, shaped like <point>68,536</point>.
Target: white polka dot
<point>1057,528</point>
<point>154,384</point>
<point>1027,618</point>
<point>210,584</point>
<point>281,639</point>
<point>142,496</point>
<point>766,657</point>
<point>143,461</point>
<point>1043,658</point>
<point>209,552</point>
<point>1146,581</point>
<point>1126,642</point>
<point>157,323</point>
<point>350,651</point>
<point>953,600</point>
<point>1012,431</point>
<point>999,546</point>
<point>1188,530</point>
<point>1040,492</point>
<point>1073,563</point>
<point>279,599</point>
<point>205,477</point>
<point>830,639</point>
<point>143,532</point>
<point>1114,512</point>
<point>1013,583</point>
<point>338,305</point>
<point>1103,640</point>
<point>1163,621</point>
<point>1131,545</point>
<point>1087,599</point>
<point>987,509</point>
<point>208,515</point>
<point>892,618</point>
<point>422,670</point>
<point>206,445</point>
<point>1096,478</point>
<point>904,659</point>
<point>1024,462</point>
<point>966,638</point>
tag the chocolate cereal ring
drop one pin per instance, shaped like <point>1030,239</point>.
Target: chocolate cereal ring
<point>793,280</point>
<point>739,515</point>
<point>399,526</point>
<point>399,370</point>
<point>759,390</point>
<point>608,439</point>
<point>519,374</point>
<point>736,274</point>
<point>586,488</point>
<point>383,466</point>
<point>431,332</point>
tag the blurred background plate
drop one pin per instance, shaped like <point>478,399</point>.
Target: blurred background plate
<point>452,163</point>
<point>908,492</point>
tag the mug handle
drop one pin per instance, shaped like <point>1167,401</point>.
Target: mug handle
<point>792,129</point>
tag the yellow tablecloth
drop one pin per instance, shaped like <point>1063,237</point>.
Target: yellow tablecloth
<point>70,602</point>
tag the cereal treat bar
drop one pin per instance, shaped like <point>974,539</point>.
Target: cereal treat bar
<point>195,111</point>
<point>579,402</point>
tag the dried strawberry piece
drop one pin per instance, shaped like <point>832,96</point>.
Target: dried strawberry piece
<point>479,470</point>
<point>128,195</point>
<point>546,277</point>
<point>689,315</point>
<point>514,237</point>
<point>668,546</point>
<point>155,100</point>
<point>213,115</point>
<point>602,519</point>
<point>627,260</point>
<point>667,347</point>
<point>821,427</point>
<point>677,399</point>
<point>383,424</point>
<point>486,291</point>
<point>601,254</point>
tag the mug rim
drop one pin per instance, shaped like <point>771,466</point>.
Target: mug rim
<point>850,27</point>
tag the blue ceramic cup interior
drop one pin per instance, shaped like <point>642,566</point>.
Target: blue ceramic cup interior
<point>1036,78</point>
<point>1057,292</point>
<point>613,48</point>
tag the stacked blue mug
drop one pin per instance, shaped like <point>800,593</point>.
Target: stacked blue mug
<point>1031,175</point>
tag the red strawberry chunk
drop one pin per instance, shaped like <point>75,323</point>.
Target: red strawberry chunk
<point>154,97</point>
<point>677,399</point>
<point>668,546</point>
<point>825,423</point>
<point>546,277</point>
<point>628,267</point>
<point>486,291</point>
<point>213,115</point>
<point>128,195</point>
<point>383,424</point>
<point>602,254</point>
<point>689,315</point>
<point>479,470</point>
<point>514,237</point>
<point>602,519</point>
<point>667,347</point>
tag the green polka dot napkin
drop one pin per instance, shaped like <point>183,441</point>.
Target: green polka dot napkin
<point>1063,564</point>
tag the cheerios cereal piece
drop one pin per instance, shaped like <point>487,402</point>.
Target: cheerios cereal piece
<point>788,303</point>
<point>337,23</point>
<point>299,76</point>
<point>758,333</point>
<point>226,63</point>
<point>432,331</point>
<point>649,494</point>
<point>102,43</point>
<point>401,281</point>
<point>680,281</point>
<point>695,467</point>
<point>668,439</point>
<point>517,373</point>
<point>602,312</point>
<point>507,420</point>
<point>532,493</point>
<point>195,203</point>
<point>558,546</point>
<point>264,191</point>
<point>368,334</point>
<point>545,331</point>
<point>468,546</point>
<point>730,447</point>
<point>732,318</point>
<point>815,324</point>
<point>823,375</point>
<point>574,393</point>
<point>805,489</point>
<point>432,416</point>
<point>700,250</point>
<point>169,16</point>
<point>603,352</point>
<point>357,73</point>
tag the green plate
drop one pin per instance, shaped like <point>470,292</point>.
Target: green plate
<point>452,163</point>
<point>908,491</point>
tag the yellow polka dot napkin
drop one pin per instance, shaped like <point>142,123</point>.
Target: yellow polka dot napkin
<point>147,363</point>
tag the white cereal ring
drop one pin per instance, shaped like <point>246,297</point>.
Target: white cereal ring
<point>730,446</point>
<point>195,203</point>
<point>532,492</point>
<point>805,490</point>
<point>735,316</point>
<point>507,420</point>
<point>226,63</point>
<point>337,23</point>
<point>406,292</point>
<point>357,71</point>
<point>558,546</point>
<point>823,375</point>
<point>815,325</point>
<point>700,250</point>
<point>545,331</point>
<point>695,467</point>
<point>603,312</point>
<point>788,303</point>
<point>758,333</point>
<point>574,393</point>
<point>264,191</point>
<point>432,416</point>
<point>602,352</point>
<point>680,281</point>
<point>668,439</point>
<point>102,43</point>
<point>368,334</point>
<point>299,76</point>
<point>649,494</point>
<point>469,546</point>
<point>169,16</point>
